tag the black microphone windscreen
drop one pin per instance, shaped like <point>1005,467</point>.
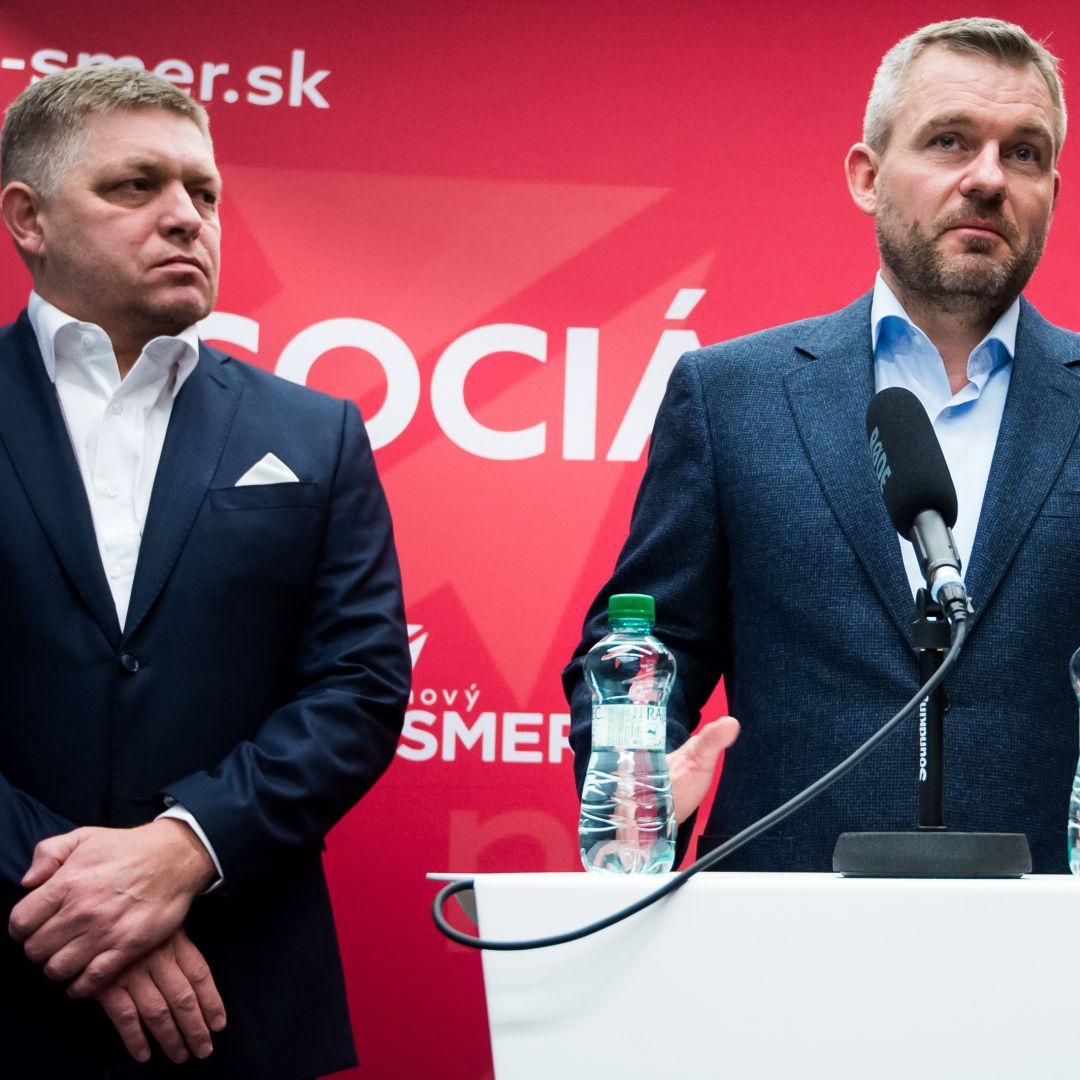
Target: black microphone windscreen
<point>911,469</point>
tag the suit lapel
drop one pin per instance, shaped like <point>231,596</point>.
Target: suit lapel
<point>198,427</point>
<point>828,395</point>
<point>33,432</point>
<point>1039,424</point>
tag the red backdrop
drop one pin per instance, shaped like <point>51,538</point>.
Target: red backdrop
<point>495,226</point>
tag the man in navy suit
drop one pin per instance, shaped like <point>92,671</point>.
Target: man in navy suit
<point>761,531</point>
<point>203,657</point>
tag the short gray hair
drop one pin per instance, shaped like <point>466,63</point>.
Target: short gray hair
<point>1002,41</point>
<point>44,130</point>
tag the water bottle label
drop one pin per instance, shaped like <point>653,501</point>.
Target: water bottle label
<point>629,727</point>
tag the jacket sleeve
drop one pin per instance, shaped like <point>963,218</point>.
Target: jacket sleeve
<point>320,751</point>
<point>24,822</point>
<point>675,552</point>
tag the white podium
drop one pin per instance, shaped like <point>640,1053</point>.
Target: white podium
<point>769,976</point>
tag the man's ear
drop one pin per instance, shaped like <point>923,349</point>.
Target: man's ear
<point>861,167</point>
<point>20,206</point>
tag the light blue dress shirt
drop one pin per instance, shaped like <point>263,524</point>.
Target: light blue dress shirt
<point>967,422</point>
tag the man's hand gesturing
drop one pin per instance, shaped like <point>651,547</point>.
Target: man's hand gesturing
<point>693,765</point>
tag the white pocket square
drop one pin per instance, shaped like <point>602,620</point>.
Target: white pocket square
<point>268,470</point>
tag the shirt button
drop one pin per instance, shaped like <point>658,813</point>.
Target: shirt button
<point>115,570</point>
<point>129,663</point>
<point>112,490</point>
<point>87,340</point>
<point>116,408</point>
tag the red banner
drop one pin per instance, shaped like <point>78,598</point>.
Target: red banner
<point>496,227</point>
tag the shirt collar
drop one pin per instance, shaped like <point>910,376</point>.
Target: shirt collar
<point>885,305</point>
<point>48,321</point>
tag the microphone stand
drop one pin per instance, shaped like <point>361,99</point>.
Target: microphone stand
<point>932,851</point>
<point>930,634</point>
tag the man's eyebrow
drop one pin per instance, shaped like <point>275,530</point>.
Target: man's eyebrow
<point>950,120</point>
<point>142,163</point>
<point>1029,129</point>
<point>135,161</point>
<point>1034,131</point>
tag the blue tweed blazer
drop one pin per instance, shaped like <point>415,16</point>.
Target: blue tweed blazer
<point>761,532</point>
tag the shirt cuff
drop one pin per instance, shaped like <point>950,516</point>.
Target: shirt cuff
<point>175,810</point>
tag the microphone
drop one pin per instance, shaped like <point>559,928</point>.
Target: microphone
<point>918,491</point>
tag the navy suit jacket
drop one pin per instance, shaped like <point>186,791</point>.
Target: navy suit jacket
<point>260,680</point>
<point>760,529</point>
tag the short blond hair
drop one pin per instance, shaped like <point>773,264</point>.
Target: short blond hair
<point>1002,41</point>
<point>44,130</point>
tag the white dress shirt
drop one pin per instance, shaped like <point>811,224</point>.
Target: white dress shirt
<point>117,429</point>
<point>966,423</point>
<point>117,426</point>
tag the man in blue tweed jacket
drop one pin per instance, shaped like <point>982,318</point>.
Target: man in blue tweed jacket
<point>760,529</point>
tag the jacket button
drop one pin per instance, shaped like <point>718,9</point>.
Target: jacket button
<point>129,663</point>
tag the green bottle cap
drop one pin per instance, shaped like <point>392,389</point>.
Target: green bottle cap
<point>637,606</point>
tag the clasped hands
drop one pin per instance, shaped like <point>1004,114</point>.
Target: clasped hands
<point>106,910</point>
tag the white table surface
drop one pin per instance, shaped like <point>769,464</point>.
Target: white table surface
<point>762,976</point>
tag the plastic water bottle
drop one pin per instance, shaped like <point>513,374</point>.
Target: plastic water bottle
<point>1074,824</point>
<point>1074,799</point>
<point>627,819</point>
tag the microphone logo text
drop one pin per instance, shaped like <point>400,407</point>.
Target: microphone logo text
<point>881,462</point>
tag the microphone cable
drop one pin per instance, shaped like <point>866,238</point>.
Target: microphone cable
<point>717,854</point>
